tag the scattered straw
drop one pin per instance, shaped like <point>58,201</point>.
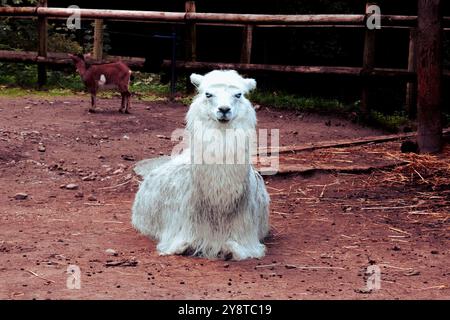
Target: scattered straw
<point>420,169</point>
<point>38,276</point>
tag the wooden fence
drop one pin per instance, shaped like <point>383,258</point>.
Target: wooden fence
<point>423,77</point>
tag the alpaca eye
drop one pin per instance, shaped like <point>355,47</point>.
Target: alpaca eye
<point>238,95</point>
<point>208,95</point>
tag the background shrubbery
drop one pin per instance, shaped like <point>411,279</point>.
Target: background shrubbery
<point>296,46</point>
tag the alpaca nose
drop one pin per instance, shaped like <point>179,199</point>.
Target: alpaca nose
<point>224,109</point>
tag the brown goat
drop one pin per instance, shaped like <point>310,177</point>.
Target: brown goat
<point>114,75</point>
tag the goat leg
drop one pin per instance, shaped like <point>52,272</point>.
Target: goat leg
<point>127,105</point>
<point>122,103</point>
<point>93,103</point>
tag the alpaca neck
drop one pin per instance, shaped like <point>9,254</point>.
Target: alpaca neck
<point>213,144</point>
<point>220,172</point>
<point>221,188</point>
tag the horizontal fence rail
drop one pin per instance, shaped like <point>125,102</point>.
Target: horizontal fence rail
<point>192,17</point>
<point>138,63</point>
<point>250,67</point>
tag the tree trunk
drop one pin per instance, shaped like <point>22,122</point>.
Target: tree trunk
<point>429,76</point>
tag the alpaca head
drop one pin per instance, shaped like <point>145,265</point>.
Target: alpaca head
<point>221,99</point>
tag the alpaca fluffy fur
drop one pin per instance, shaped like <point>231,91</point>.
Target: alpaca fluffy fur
<point>211,210</point>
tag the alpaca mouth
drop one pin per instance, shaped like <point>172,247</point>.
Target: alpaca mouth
<point>223,120</point>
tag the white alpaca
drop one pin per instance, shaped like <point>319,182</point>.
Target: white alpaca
<point>210,210</point>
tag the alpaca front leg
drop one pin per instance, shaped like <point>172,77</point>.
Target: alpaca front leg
<point>244,241</point>
<point>244,250</point>
<point>177,245</point>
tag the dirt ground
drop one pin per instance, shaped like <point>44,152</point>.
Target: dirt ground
<point>327,228</point>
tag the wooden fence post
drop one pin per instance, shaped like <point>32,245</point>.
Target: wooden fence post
<point>368,65</point>
<point>191,42</point>
<point>247,41</point>
<point>411,87</point>
<point>429,76</point>
<point>98,39</point>
<point>42,46</point>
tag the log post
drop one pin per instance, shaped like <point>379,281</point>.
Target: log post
<point>368,65</point>
<point>98,39</point>
<point>247,41</point>
<point>411,87</point>
<point>429,76</point>
<point>42,46</point>
<point>191,42</point>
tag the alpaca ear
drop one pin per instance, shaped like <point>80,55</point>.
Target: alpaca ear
<point>196,79</point>
<point>251,84</point>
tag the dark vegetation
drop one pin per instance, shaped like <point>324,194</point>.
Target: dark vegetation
<point>293,46</point>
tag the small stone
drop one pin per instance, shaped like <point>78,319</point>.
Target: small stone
<point>79,195</point>
<point>409,147</point>
<point>41,148</point>
<point>160,136</point>
<point>21,196</point>
<point>126,137</point>
<point>111,252</point>
<point>92,198</point>
<point>71,186</point>
<point>128,157</point>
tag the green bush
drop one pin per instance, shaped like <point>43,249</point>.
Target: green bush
<point>391,123</point>
<point>291,101</point>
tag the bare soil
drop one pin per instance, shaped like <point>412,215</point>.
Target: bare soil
<point>327,228</point>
